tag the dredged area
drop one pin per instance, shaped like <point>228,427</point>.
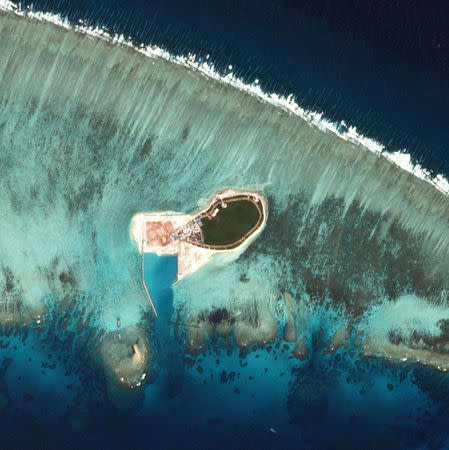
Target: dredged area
<point>92,133</point>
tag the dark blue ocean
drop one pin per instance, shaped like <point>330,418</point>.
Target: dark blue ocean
<point>382,67</point>
<point>351,63</point>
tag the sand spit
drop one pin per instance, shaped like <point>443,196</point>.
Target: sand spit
<point>401,353</point>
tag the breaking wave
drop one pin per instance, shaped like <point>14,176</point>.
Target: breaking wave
<point>398,157</point>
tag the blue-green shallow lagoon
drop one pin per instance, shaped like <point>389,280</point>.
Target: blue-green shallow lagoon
<point>91,133</point>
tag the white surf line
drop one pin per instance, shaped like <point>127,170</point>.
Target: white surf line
<point>399,158</point>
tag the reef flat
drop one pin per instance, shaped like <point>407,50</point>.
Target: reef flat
<point>92,132</point>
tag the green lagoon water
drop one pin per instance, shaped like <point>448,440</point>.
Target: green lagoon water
<point>231,223</point>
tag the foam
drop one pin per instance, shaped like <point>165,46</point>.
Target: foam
<point>288,103</point>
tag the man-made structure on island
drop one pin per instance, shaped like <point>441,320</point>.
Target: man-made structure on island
<point>229,223</point>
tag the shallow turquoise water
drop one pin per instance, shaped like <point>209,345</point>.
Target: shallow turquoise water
<point>96,133</point>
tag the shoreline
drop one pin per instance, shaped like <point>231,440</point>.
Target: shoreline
<point>191,256</point>
<point>313,178</point>
<point>398,158</point>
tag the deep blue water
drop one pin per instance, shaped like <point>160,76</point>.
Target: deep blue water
<point>160,273</point>
<point>350,62</point>
<point>389,94</point>
<point>215,403</point>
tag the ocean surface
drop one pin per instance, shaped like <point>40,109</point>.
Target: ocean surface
<point>330,330</point>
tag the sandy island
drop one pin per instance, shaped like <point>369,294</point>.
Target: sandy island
<point>170,233</point>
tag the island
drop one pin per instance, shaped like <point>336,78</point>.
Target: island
<point>228,224</point>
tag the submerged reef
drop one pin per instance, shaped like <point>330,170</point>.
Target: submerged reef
<point>126,354</point>
<point>352,262</point>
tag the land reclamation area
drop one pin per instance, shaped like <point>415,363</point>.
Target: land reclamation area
<point>227,225</point>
